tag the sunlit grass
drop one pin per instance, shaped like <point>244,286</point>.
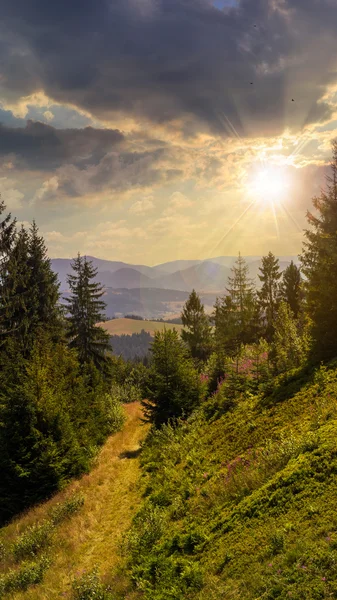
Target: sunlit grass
<point>91,537</point>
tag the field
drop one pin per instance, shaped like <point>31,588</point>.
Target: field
<point>130,326</point>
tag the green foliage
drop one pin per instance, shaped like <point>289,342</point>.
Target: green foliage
<point>174,388</point>
<point>291,289</point>
<point>269,292</point>
<point>319,260</point>
<point>290,344</point>
<point>29,293</point>
<point>32,541</point>
<point>89,587</point>
<point>235,314</point>
<point>86,309</point>
<point>197,332</point>
<point>242,505</point>
<point>53,415</point>
<point>29,573</point>
<point>66,509</point>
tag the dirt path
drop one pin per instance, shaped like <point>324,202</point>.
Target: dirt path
<point>111,497</point>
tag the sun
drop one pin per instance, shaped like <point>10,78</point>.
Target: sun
<point>269,185</point>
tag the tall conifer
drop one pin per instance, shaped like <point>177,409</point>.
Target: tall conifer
<point>197,332</point>
<point>86,309</point>
<point>319,260</point>
<point>269,296</point>
<point>291,288</point>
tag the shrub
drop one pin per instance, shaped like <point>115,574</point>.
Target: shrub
<point>34,539</point>
<point>89,587</point>
<point>66,509</point>
<point>29,574</point>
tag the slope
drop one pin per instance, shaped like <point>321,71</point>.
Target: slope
<point>91,537</point>
<point>241,503</point>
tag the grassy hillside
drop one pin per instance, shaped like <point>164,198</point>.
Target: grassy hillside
<point>234,504</point>
<point>130,326</point>
<point>89,537</point>
<point>242,505</point>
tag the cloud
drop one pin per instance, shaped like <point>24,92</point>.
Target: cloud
<point>11,196</point>
<point>41,146</point>
<point>77,54</point>
<point>142,206</point>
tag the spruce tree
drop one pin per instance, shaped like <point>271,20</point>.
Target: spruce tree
<point>43,310</point>
<point>291,288</point>
<point>269,296</point>
<point>173,388</point>
<point>197,333</point>
<point>227,341</point>
<point>86,309</point>
<point>29,292</point>
<point>15,295</point>
<point>319,260</point>
<point>7,234</point>
<point>242,294</point>
<point>290,344</point>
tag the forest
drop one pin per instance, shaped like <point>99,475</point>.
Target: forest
<point>238,466</point>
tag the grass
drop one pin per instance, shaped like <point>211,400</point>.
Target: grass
<point>89,537</point>
<point>130,326</point>
<point>242,506</point>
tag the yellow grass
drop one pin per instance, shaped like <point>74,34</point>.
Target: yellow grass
<point>130,326</point>
<point>92,537</point>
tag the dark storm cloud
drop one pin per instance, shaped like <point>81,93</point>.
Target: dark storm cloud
<point>165,59</point>
<point>40,146</point>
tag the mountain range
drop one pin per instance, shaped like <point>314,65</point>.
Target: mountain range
<point>209,275</point>
<point>161,291</point>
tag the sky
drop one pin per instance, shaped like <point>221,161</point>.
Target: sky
<point>153,130</point>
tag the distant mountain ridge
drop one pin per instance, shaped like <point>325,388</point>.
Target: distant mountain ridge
<point>209,275</point>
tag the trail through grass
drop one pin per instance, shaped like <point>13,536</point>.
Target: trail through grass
<point>92,537</point>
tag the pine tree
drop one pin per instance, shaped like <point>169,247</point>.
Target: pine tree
<point>15,294</point>
<point>197,333</point>
<point>173,384</point>
<point>7,234</point>
<point>29,292</point>
<point>269,293</point>
<point>86,310</point>
<point>227,342</point>
<point>291,288</point>
<point>242,294</point>
<point>319,260</point>
<point>290,346</point>
<point>44,310</point>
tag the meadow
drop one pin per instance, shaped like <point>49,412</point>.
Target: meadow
<point>129,326</point>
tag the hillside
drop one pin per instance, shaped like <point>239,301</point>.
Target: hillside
<point>130,326</point>
<point>236,503</point>
<point>93,535</point>
<point>242,504</point>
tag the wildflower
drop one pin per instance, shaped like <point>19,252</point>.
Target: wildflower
<point>270,564</point>
<point>205,475</point>
<point>303,567</point>
<point>323,578</point>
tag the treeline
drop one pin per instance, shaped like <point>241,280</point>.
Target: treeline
<point>56,371</point>
<point>135,347</point>
<point>255,337</point>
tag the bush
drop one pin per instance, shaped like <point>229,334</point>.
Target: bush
<point>29,574</point>
<point>66,509</point>
<point>89,587</point>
